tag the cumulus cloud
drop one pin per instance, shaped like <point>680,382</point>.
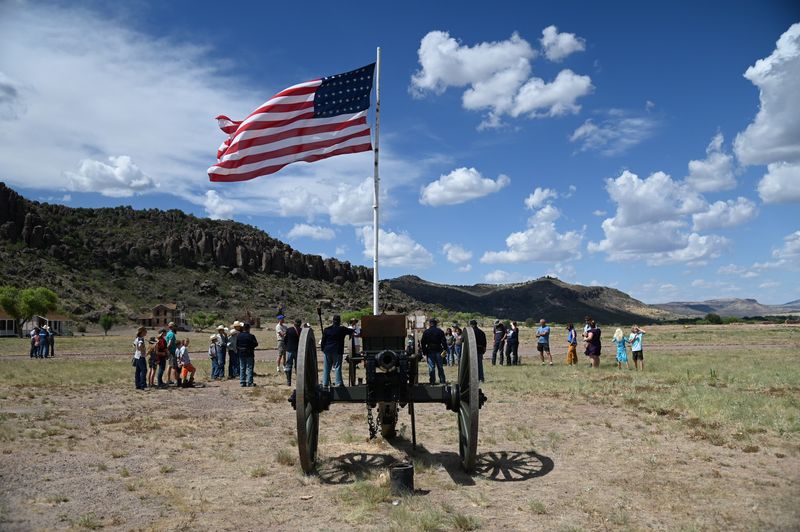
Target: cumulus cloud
<point>456,254</point>
<point>557,45</point>
<point>119,179</point>
<point>616,134</point>
<point>774,134</point>
<point>314,232</point>
<point>539,197</point>
<point>504,277</point>
<point>786,256</point>
<point>497,77</point>
<point>781,183</point>
<point>459,186</point>
<point>728,213</point>
<point>217,207</point>
<point>541,242</point>
<point>465,268</point>
<point>773,138</point>
<point>545,215</point>
<point>740,271</point>
<point>396,249</point>
<point>650,222</point>
<point>715,172</point>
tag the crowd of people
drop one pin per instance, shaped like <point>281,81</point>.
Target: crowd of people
<point>43,342</point>
<point>236,345</point>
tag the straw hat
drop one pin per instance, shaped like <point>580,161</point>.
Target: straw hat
<point>220,327</point>
<point>213,338</point>
<point>171,324</point>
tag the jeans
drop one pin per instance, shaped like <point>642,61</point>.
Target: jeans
<point>290,362</point>
<point>220,371</point>
<point>234,367</point>
<point>246,364</point>
<point>331,359</point>
<point>480,367</point>
<point>498,347</point>
<point>162,365</point>
<point>451,355</point>
<point>512,357</point>
<point>458,354</point>
<point>435,363</point>
<point>140,376</point>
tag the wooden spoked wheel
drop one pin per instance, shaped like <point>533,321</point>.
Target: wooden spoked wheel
<point>468,402</point>
<point>306,400</point>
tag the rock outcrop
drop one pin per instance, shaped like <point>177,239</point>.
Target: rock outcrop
<point>101,238</point>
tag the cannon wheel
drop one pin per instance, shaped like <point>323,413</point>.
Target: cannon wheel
<point>468,402</point>
<point>307,387</point>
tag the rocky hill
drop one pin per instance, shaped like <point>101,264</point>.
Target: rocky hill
<point>733,307</point>
<point>124,261</point>
<point>547,298</point>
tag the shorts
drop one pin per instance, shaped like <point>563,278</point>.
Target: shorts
<point>638,355</point>
<point>281,348</point>
<point>152,362</point>
<point>172,360</point>
<point>543,347</point>
<point>185,370</point>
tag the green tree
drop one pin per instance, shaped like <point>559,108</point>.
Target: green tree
<point>106,322</point>
<point>357,314</point>
<point>22,305</point>
<point>713,318</point>
<point>202,320</point>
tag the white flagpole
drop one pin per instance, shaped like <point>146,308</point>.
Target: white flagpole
<point>376,179</point>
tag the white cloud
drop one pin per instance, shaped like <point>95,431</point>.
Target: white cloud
<point>459,186</point>
<point>340,250</point>
<point>781,183</point>
<point>395,249</point>
<point>120,179</point>
<point>557,46</point>
<point>465,268</point>
<point>90,89</point>
<point>217,207</point>
<point>598,212</point>
<point>650,222</point>
<point>539,197</point>
<point>504,277</point>
<point>786,256</point>
<point>456,254</point>
<point>497,76</point>
<point>733,269</point>
<point>616,134</point>
<point>715,172</point>
<point>314,232</point>
<point>717,286</point>
<point>774,134</point>
<point>767,285</point>
<point>540,243</point>
<point>545,215</point>
<point>728,213</point>
<point>561,271</point>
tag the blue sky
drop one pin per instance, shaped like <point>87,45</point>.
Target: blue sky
<point>650,147</point>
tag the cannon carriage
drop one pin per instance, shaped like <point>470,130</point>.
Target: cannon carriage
<point>391,384</point>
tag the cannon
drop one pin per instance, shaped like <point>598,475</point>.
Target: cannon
<point>391,384</point>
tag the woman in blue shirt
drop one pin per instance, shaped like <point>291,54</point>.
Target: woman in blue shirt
<point>622,352</point>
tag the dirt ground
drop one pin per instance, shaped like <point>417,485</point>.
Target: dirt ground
<point>225,458</point>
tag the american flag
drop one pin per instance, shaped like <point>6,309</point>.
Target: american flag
<point>306,122</point>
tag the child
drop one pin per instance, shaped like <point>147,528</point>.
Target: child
<point>622,353</point>
<point>213,350</point>
<point>636,346</point>
<point>152,362</point>
<point>572,345</point>
<point>187,370</point>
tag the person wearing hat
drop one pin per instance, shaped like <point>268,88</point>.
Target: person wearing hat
<point>499,332</point>
<point>333,350</point>
<point>480,346</point>
<point>433,344</point>
<point>233,350</point>
<point>152,361</point>
<point>280,334</point>
<point>222,348</point>
<point>292,341</point>
<point>43,342</point>
<point>246,344</point>
<point>139,361</point>
<point>172,347</point>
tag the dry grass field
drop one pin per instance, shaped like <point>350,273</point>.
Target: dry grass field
<point>708,438</point>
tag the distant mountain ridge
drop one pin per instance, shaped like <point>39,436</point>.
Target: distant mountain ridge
<point>547,297</point>
<point>729,307</point>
